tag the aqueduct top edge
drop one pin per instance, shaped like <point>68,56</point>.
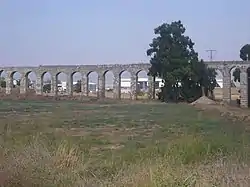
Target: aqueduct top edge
<point>116,68</point>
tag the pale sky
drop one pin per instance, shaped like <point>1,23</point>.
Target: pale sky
<point>99,32</point>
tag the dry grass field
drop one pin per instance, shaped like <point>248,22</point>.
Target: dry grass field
<point>218,92</point>
<point>73,144</point>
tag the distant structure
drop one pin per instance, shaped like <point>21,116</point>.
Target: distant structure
<point>220,82</point>
<point>211,53</point>
<point>142,83</point>
<point>223,66</point>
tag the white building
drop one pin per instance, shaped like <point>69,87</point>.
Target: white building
<point>126,85</point>
<point>220,82</point>
<point>142,84</point>
<point>15,82</point>
<point>62,87</point>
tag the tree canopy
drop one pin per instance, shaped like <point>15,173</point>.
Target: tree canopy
<point>245,52</point>
<point>245,56</point>
<point>174,59</point>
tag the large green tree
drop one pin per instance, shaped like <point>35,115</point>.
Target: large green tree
<point>245,56</point>
<point>174,59</point>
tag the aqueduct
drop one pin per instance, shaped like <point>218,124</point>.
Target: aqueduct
<point>223,66</point>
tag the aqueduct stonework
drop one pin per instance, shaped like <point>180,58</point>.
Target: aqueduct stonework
<point>224,67</point>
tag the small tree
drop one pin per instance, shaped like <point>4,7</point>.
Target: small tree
<point>236,75</point>
<point>47,88</point>
<point>245,56</point>
<point>2,82</point>
<point>77,86</point>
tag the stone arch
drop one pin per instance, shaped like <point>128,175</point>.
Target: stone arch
<point>109,83</point>
<point>16,78</point>
<point>232,68</point>
<point>76,82</point>
<point>92,83</point>
<point>61,83</point>
<point>244,85</point>
<point>125,91</point>
<point>235,84</point>
<point>30,79</point>
<point>46,80</point>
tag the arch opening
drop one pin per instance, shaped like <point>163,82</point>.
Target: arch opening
<point>3,81</point>
<point>125,85</point>
<point>76,79</point>
<point>235,85</point>
<point>16,82</point>
<point>92,84</point>
<point>109,84</point>
<point>142,84</point>
<point>61,83</point>
<point>218,90</point>
<point>46,83</point>
<point>30,82</point>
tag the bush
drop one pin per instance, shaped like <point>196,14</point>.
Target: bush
<point>47,88</point>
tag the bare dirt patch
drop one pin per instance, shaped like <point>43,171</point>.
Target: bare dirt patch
<point>230,112</point>
<point>203,100</point>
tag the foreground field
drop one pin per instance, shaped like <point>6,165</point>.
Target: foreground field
<point>82,144</point>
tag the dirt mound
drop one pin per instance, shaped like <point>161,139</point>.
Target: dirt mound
<point>204,101</point>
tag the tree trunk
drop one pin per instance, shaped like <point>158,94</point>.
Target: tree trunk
<point>203,90</point>
<point>212,94</point>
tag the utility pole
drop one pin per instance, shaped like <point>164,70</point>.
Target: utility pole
<point>211,51</point>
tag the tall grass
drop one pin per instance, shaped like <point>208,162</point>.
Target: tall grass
<point>190,161</point>
<point>183,151</point>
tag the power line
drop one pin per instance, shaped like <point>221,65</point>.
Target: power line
<point>211,52</point>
